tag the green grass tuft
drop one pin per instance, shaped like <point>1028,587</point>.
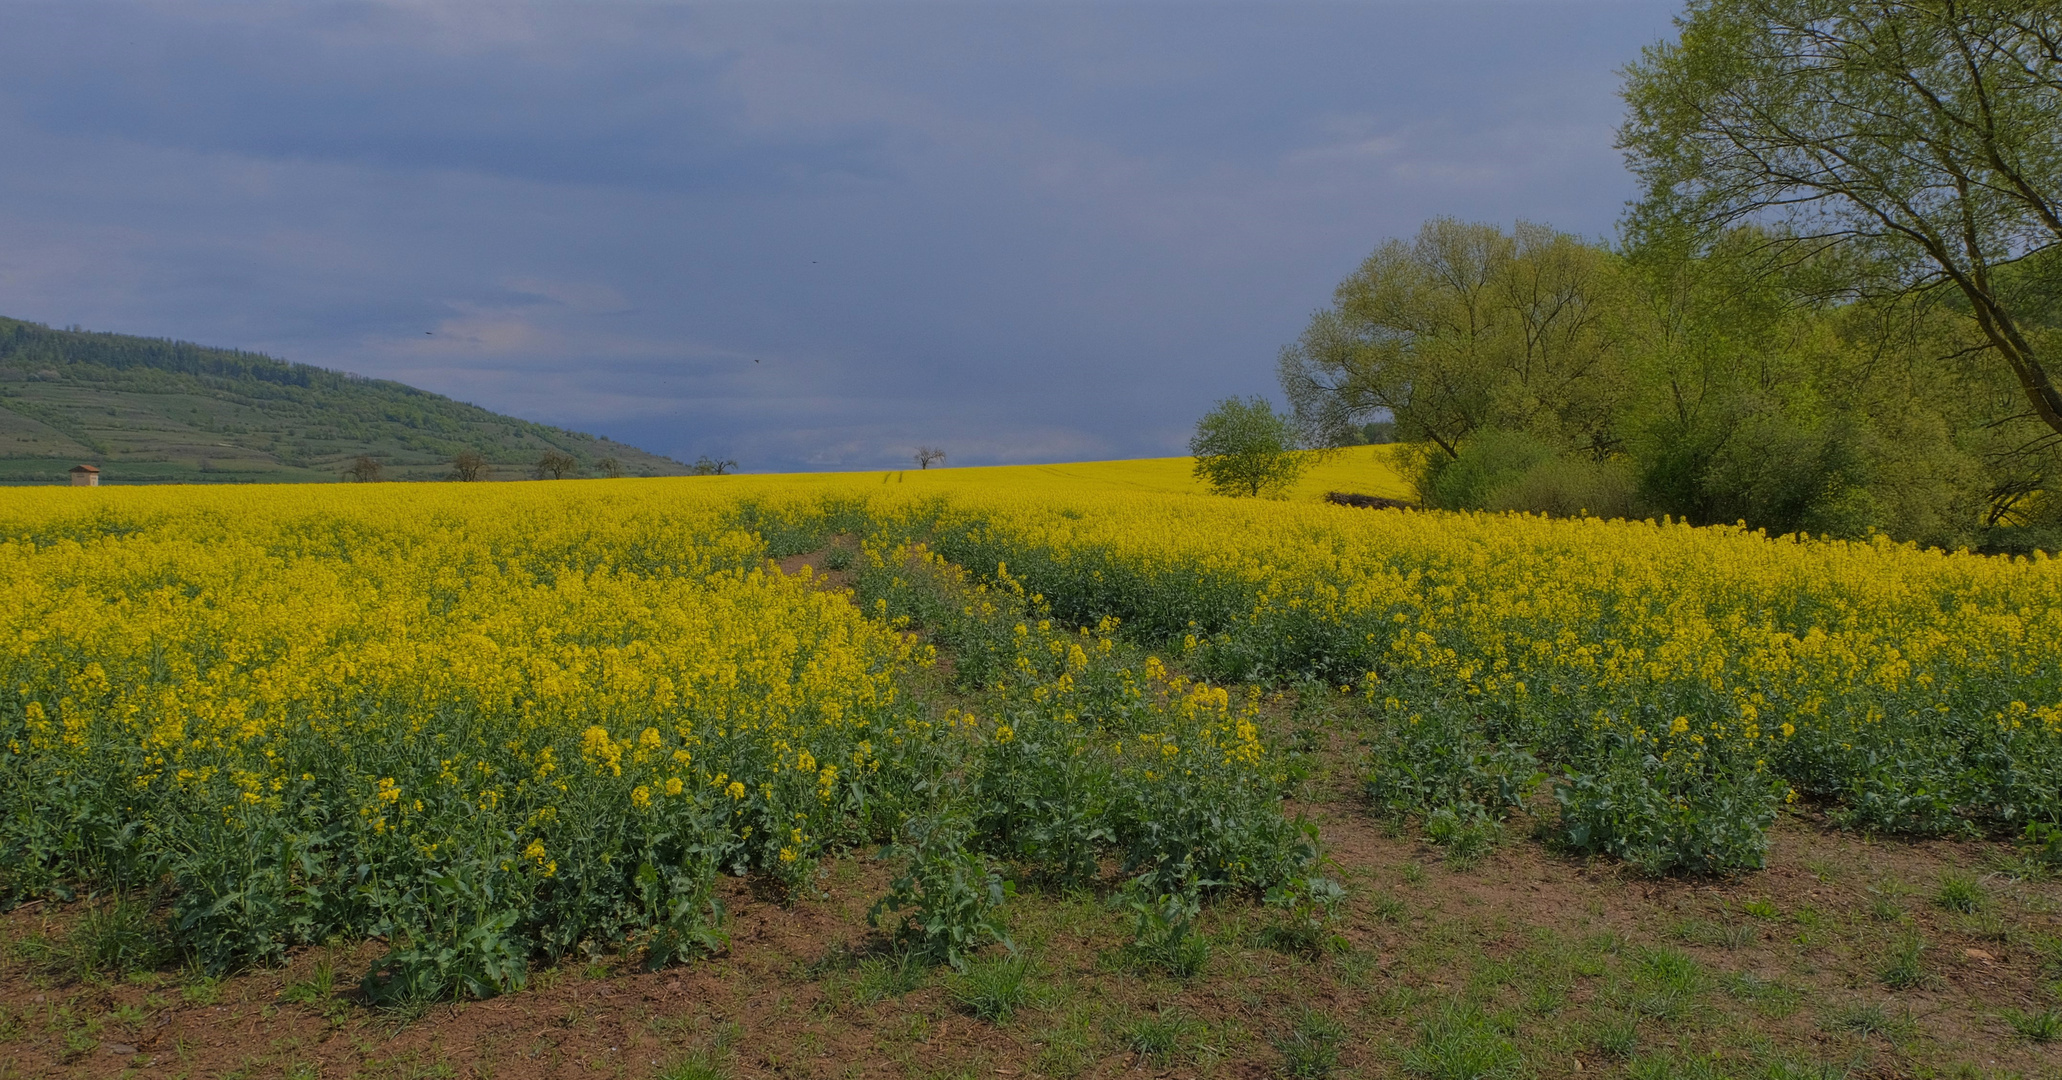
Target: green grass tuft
<point>1616,1036</point>
<point>1461,1043</point>
<point>700,1065</point>
<point>883,977</point>
<point>1959,892</point>
<point>1310,1050</point>
<point>1902,967</point>
<point>1163,1036</point>
<point>2041,1027</point>
<point>992,989</point>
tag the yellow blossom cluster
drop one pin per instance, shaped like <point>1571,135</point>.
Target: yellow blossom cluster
<point>389,676</point>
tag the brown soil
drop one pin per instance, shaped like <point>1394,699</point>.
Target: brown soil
<point>786,1001</point>
<point>813,561</point>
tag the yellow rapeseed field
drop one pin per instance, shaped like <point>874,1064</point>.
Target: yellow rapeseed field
<point>554,711</point>
<point>488,721</point>
<point>1683,682</point>
<point>1362,470</point>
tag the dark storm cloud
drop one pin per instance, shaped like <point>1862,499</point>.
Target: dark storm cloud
<point>799,235</point>
<point>621,100</point>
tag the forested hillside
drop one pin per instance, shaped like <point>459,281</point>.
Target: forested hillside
<point>152,410</point>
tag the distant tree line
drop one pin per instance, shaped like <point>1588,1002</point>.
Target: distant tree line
<point>1834,309</point>
<point>27,344</point>
<point>471,466</point>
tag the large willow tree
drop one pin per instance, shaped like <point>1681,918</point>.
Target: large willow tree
<point>1466,328</point>
<point>1924,134</point>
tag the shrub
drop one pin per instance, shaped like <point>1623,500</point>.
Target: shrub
<point>452,937</point>
<point>2022,540</point>
<point>1568,488</point>
<point>1699,815</point>
<point>1164,933</point>
<point>947,901</point>
<point>1308,914</point>
<point>1487,464</point>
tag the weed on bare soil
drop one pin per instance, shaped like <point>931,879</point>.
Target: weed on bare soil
<point>1838,960</point>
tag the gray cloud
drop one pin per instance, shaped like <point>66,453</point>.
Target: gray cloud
<point>799,235</point>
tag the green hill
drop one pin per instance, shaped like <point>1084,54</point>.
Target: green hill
<point>147,410</point>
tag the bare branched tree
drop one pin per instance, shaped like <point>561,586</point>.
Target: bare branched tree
<point>469,466</point>
<point>365,469</point>
<point>926,455</point>
<point>708,466</point>
<point>610,468</point>
<point>556,465</point>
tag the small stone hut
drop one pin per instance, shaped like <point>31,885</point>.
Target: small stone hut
<point>85,476</point>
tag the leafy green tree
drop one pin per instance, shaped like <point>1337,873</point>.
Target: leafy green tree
<point>1763,389</point>
<point>1920,134</point>
<point>1466,327</point>
<point>1717,382</point>
<point>1246,448</point>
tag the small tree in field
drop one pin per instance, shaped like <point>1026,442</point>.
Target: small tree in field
<point>1246,448</point>
<point>925,455</point>
<point>365,469</point>
<point>555,465</point>
<point>708,466</point>
<point>610,468</point>
<point>469,466</point>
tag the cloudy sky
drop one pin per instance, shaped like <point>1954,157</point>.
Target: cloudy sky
<point>802,235</point>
